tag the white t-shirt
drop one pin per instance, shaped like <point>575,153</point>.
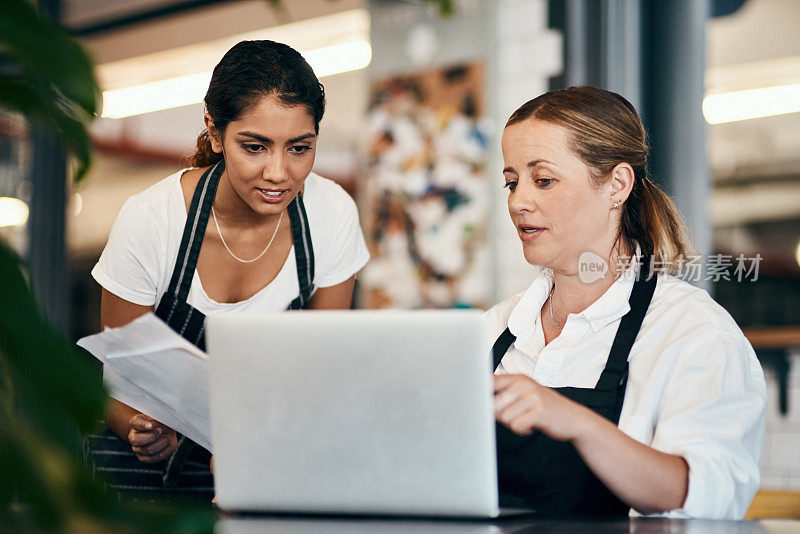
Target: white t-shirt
<point>695,388</point>
<point>142,248</point>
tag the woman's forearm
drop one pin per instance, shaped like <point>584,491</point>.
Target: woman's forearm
<point>118,418</point>
<point>116,311</point>
<point>648,480</point>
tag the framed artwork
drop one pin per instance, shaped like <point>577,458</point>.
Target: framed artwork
<point>425,190</point>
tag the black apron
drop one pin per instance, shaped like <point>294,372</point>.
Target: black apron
<point>186,475</point>
<point>550,476</point>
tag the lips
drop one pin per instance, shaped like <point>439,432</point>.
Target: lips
<point>272,196</point>
<point>529,232</point>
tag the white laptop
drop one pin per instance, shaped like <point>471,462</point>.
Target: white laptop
<point>353,412</point>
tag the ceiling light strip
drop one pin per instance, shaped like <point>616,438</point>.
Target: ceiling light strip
<point>719,108</point>
<point>191,89</point>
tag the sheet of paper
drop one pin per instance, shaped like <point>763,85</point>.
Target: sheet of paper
<point>147,334</point>
<point>151,368</point>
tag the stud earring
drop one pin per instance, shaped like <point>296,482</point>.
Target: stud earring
<point>616,204</point>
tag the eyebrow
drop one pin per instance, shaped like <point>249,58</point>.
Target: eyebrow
<point>263,139</point>
<point>530,165</point>
<point>536,162</point>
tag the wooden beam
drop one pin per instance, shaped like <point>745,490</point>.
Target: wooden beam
<point>777,337</point>
<point>770,504</point>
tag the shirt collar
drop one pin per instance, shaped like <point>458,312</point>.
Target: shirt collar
<point>523,317</point>
<point>611,305</point>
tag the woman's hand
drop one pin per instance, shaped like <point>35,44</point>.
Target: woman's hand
<point>150,440</point>
<point>524,406</point>
<point>648,480</point>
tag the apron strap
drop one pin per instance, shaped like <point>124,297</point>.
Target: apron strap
<point>501,346</point>
<point>303,252</point>
<point>172,470</point>
<point>615,373</point>
<point>193,232</point>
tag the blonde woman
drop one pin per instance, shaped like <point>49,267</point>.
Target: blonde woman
<point>631,389</point>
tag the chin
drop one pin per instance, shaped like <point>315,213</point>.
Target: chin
<point>540,256</point>
<point>534,256</point>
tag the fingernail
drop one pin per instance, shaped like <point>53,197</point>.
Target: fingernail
<point>148,426</point>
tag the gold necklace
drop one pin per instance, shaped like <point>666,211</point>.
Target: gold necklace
<point>237,258</point>
<point>552,316</point>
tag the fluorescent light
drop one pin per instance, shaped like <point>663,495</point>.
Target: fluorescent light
<point>336,59</point>
<point>155,96</point>
<point>732,106</point>
<point>13,212</point>
<point>191,89</point>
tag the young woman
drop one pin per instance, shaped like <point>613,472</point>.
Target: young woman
<point>624,389</point>
<point>280,237</point>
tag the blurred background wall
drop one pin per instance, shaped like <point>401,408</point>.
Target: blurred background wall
<point>416,103</point>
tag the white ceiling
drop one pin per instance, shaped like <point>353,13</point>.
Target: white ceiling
<point>760,30</point>
<point>755,163</point>
<point>757,46</point>
<point>201,25</point>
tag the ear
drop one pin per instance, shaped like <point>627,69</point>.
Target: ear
<point>621,184</point>
<point>213,134</point>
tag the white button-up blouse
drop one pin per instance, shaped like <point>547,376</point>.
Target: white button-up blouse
<point>695,388</point>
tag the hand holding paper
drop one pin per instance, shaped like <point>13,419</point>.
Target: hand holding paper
<point>151,440</point>
<point>152,369</point>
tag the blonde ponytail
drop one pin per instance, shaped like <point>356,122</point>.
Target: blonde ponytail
<point>669,239</point>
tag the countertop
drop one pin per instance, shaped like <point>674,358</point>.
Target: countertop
<point>292,524</point>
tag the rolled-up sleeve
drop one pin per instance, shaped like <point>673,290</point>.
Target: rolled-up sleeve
<point>712,414</point>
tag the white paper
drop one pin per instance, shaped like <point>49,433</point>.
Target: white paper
<point>154,370</point>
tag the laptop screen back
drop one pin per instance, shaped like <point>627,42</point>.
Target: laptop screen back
<point>385,412</point>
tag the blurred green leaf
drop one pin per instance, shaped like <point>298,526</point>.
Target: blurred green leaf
<point>446,7</point>
<point>46,52</point>
<point>51,80</point>
<point>40,363</point>
<point>49,396</point>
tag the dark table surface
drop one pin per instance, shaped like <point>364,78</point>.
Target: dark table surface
<point>290,524</point>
